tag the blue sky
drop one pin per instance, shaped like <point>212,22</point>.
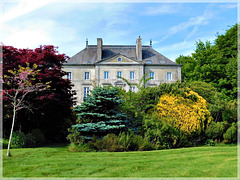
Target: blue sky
<point>173,27</point>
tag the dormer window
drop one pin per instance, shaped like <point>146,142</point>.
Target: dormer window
<point>148,62</point>
<point>119,59</point>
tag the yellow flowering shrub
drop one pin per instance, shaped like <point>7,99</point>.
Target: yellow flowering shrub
<point>189,114</point>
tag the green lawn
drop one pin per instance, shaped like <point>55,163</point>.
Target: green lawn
<point>59,162</point>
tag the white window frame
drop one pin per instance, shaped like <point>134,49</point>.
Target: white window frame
<point>119,73</point>
<point>69,75</point>
<point>106,74</point>
<point>132,74</point>
<point>169,76</point>
<point>133,88</point>
<point>87,75</point>
<point>86,91</point>
<point>152,74</point>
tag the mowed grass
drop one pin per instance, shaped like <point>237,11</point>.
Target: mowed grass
<point>59,162</point>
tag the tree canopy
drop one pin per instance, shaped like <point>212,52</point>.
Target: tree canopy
<point>214,63</point>
<point>51,110</point>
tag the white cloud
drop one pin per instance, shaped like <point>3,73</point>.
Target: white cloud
<point>185,48</point>
<point>228,6</point>
<point>192,22</point>
<point>163,9</point>
<point>18,8</point>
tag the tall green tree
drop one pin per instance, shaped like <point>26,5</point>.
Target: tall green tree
<point>214,63</point>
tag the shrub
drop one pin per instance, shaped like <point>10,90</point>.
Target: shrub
<point>188,112</point>
<point>75,136</point>
<point>18,140</point>
<point>163,134</point>
<point>145,145</point>
<point>231,134</point>
<point>21,140</point>
<point>30,140</point>
<point>4,143</point>
<point>126,140</point>
<point>38,136</point>
<point>84,147</point>
<point>108,143</point>
<point>210,142</point>
<point>215,130</point>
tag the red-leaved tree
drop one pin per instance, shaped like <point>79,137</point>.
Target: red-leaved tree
<point>51,110</point>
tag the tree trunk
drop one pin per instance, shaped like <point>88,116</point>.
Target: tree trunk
<point>10,138</point>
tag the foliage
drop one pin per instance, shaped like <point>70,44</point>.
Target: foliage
<point>206,90</point>
<point>20,82</point>
<point>75,137</point>
<point>101,105</point>
<point>84,147</point>
<point>215,130</point>
<point>163,134</point>
<point>215,64</point>
<point>18,140</point>
<point>142,82</point>
<point>189,114</point>
<point>99,114</point>
<point>231,134</point>
<point>100,129</point>
<point>21,140</point>
<point>108,143</point>
<point>125,141</point>
<point>134,142</point>
<point>210,142</point>
<point>52,107</point>
<point>4,143</point>
<point>137,104</point>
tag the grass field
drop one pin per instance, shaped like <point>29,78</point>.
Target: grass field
<point>59,162</point>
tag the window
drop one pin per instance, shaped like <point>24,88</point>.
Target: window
<point>86,75</point>
<point>106,75</point>
<point>119,73</point>
<point>148,62</point>
<point>131,74</point>
<point>86,92</point>
<point>169,76</point>
<point>133,88</point>
<point>69,75</point>
<point>151,74</point>
<point>119,59</point>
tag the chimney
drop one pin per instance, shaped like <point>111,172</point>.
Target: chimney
<point>86,43</point>
<point>139,48</point>
<point>99,49</point>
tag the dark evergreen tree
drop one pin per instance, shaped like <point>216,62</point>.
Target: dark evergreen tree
<point>99,114</point>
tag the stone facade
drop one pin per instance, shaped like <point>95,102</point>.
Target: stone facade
<point>99,65</point>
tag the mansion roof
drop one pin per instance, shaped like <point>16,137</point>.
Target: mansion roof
<point>88,56</point>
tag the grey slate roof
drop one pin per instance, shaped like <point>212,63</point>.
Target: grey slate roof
<point>89,54</point>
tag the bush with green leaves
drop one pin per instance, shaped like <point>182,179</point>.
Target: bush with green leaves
<point>163,134</point>
<point>137,104</point>
<point>4,143</point>
<point>18,140</point>
<point>32,139</point>
<point>215,130</point>
<point>231,134</point>
<point>134,142</point>
<point>108,143</point>
<point>84,147</point>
